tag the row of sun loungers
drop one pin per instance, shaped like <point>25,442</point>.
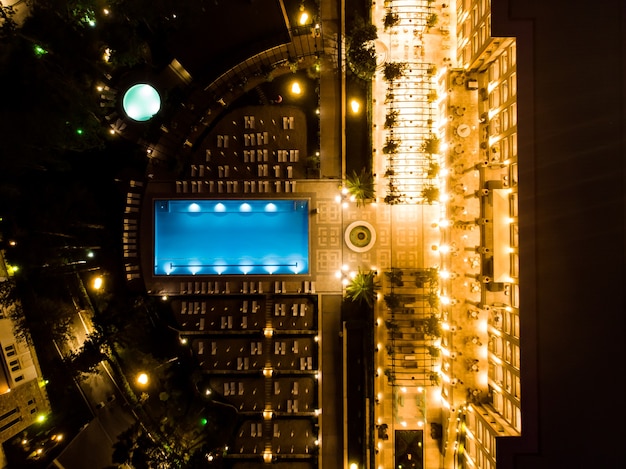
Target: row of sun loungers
<point>253,156</point>
<point>253,306</point>
<point>209,288</point>
<point>129,233</point>
<point>259,155</point>
<point>223,141</point>
<point>288,123</point>
<point>254,139</point>
<point>249,122</point>
<point>229,187</point>
<point>280,309</point>
<point>204,288</point>
<point>284,156</point>
<point>251,287</point>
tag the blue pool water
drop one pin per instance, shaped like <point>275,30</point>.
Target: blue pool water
<point>231,237</point>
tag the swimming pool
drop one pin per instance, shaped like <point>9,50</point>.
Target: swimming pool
<point>231,237</point>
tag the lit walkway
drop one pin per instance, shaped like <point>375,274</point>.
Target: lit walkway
<point>409,405</point>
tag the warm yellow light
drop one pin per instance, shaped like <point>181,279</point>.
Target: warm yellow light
<point>142,378</point>
<point>304,18</point>
<point>295,88</point>
<point>355,106</point>
<point>97,283</point>
<point>353,466</point>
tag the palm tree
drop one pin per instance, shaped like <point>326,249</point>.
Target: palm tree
<point>431,145</point>
<point>430,194</point>
<point>391,119</point>
<point>363,287</point>
<point>393,70</point>
<point>361,186</point>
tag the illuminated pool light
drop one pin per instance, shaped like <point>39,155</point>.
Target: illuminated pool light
<point>141,102</point>
<point>194,207</point>
<point>245,207</point>
<point>219,267</point>
<point>220,207</point>
<point>270,207</point>
<point>246,266</point>
<point>195,267</point>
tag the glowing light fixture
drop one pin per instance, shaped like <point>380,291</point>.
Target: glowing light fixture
<point>142,378</point>
<point>141,102</point>
<point>355,106</point>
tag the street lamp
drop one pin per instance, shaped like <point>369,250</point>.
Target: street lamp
<point>97,283</point>
<point>142,379</point>
<point>355,106</point>
<point>296,88</point>
<point>303,18</point>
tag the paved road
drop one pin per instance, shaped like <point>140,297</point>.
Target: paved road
<point>111,414</point>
